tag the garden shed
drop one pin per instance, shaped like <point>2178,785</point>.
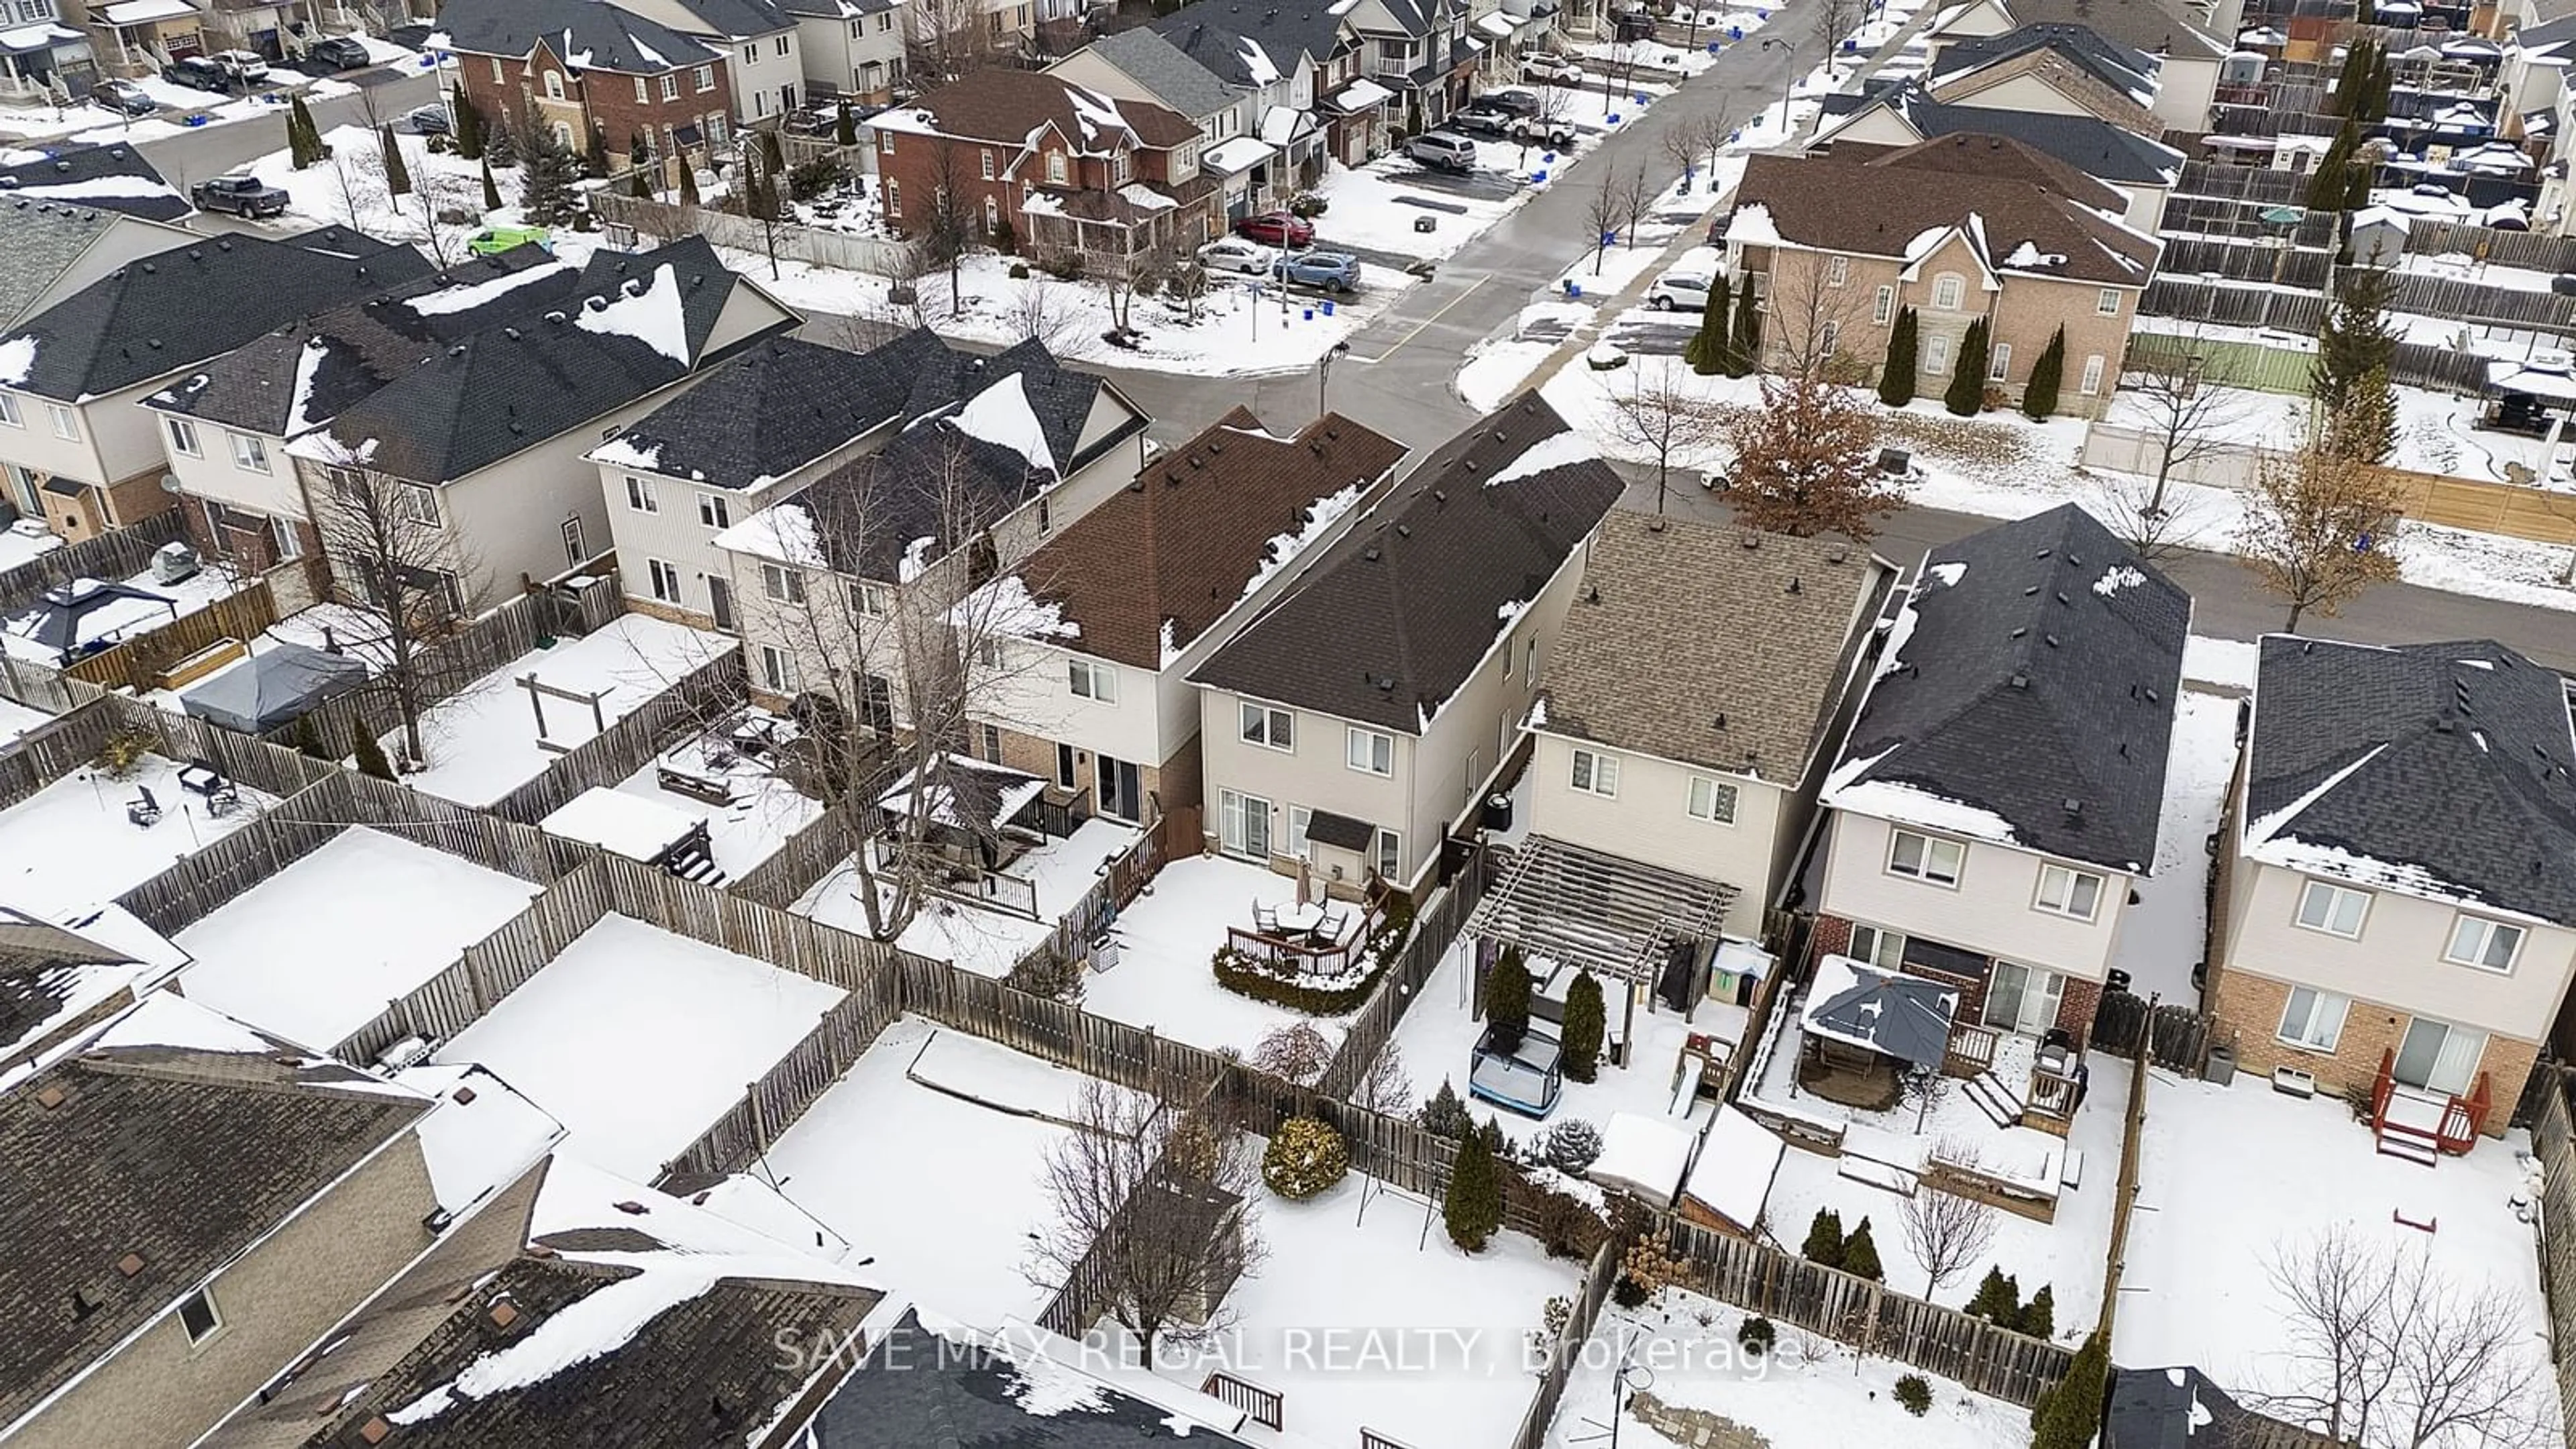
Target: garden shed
<point>273,687</point>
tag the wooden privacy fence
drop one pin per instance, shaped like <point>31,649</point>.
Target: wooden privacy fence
<point>490,969</point>
<point>1567,1348</point>
<point>2241,304</point>
<point>42,686</point>
<point>1267,1407</point>
<point>2553,1141</point>
<point>2474,303</point>
<point>2174,1036</point>
<point>805,857</point>
<point>1125,875</point>
<point>73,741</point>
<point>138,662</point>
<point>713,688</point>
<point>1435,929</point>
<point>782,1094</point>
<point>111,556</point>
<point>666,220</point>
<point>2537,251</point>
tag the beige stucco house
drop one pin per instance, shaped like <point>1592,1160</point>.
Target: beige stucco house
<point>2151,52</point>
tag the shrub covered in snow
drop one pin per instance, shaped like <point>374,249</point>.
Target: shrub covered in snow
<point>1242,974</point>
<point>1306,1156</point>
<point>1915,1393</point>
<point>1571,1145</point>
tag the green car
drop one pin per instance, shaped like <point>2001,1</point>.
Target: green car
<point>492,241</point>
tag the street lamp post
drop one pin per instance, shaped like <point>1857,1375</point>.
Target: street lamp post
<point>1324,374</point>
<point>1788,78</point>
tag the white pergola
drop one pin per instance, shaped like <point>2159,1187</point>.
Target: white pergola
<point>1609,915</point>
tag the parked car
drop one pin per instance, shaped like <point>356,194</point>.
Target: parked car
<point>125,96</point>
<point>1680,289</point>
<point>1481,118</point>
<point>1442,151</point>
<point>246,68</point>
<point>1550,69</point>
<point>341,52</point>
<point>812,121</point>
<point>1517,101</point>
<point>197,72</point>
<point>1278,228</point>
<point>240,193</point>
<point>1238,254</point>
<point>1331,271</point>
<point>491,241</point>
<point>1633,25</point>
<point>429,120</point>
<point>1555,135</point>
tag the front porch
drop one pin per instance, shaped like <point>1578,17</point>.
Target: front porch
<point>1117,235</point>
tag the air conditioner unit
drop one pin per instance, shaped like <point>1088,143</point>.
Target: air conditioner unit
<point>173,562</point>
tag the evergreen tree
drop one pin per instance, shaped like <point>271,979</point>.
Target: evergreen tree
<point>303,138</point>
<point>466,122</point>
<point>1746,352</point>
<point>2069,1415</point>
<point>308,739</point>
<point>1860,1255</point>
<point>2364,425</point>
<point>1444,1115</point>
<point>1586,1022</point>
<point>1473,1206</point>
<point>371,757</point>
<point>2047,375</point>
<point>845,126</point>
<point>397,174</point>
<point>2355,340</point>
<point>1896,375</point>
<point>688,183</point>
<point>1967,393</point>
<point>1996,1300</point>
<point>491,189</point>
<point>1824,1239</point>
<point>1507,1000</point>
<point>1706,353</point>
<point>501,144</point>
<point>546,180</point>
<point>2039,1316</point>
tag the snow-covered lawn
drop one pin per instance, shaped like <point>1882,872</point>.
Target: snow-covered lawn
<point>1166,976</point>
<point>482,743</point>
<point>349,188</point>
<point>20,548</point>
<point>942,1192</point>
<point>121,619</point>
<point>2436,432</point>
<point>71,845</point>
<point>2233,1176</point>
<point>1835,1399</point>
<point>986,942</point>
<point>1375,206</point>
<point>89,123</point>
<point>315,951</point>
<point>2164,935</point>
<point>638,1039</point>
<point>16,720</point>
<point>766,810</point>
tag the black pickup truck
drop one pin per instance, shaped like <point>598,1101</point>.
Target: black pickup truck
<point>240,195</point>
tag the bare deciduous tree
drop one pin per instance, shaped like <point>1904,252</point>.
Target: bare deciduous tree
<point>1045,312</point>
<point>2316,529</point>
<point>1603,207</point>
<point>947,218</point>
<point>1663,418</point>
<point>1296,1052</point>
<point>1808,315</point>
<point>948,40</point>
<point>1385,1087</point>
<point>2182,402</point>
<point>383,539</point>
<point>1947,1232</point>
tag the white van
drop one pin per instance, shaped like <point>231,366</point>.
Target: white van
<point>1443,150</point>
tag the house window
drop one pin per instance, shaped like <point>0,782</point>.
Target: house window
<point>1299,817</point>
<point>1880,947</point>
<point>777,670</point>
<point>1828,338</point>
<point>553,84</point>
<point>1999,362</point>
<point>641,94</point>
<point>1055,168</point>
<point>986,156</point>
<point>781,44</point>
<point>715,510</point>
<point>666,580</point>
<point>1838,271</point>
<point>1046,507</point>
<point>9,411</point>
<point>2313,1018</point>
<point>249,454</point>
<point>1390,855</point>
<point>1064,763</point>
<point>572,541</point>
<point>671,86</point>
<point>893,191</point>
<point>2488,945</point>
<point>1596,774</point>
<point>183,437</point>
<point>1120,164</point>
<point>885,22</point>
<point>2092,382</point>
<point>1947,288</point>
<point>993,223</point>
<point>1882,310</point>
<point>418,503</point>
<point>1936,355</point>
<point>786,586</point>
<point>1925,857</point>
<point>704,77</point>
<point>640,496</point>
<point>1371,752</point>
<point>1091,679</point>
<point>1243,824</point>
<point>2067,892</point>
<point>869,600</point>
<point>1271,728</point>
<point>496,70</point>
<point>1529,664</point>
<point>2107,302</point>
<point>885,143</point>
<point>1712,800</point>
<point>197,1315</point>
<point>2333,909</point>
<point>751,54</point>
<point>992,745</point>
<point>66,422</point>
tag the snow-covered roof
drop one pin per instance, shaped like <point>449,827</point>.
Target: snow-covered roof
<point>1893,1013</point>
<point>1643,1155</point>
<point>1731,1176</point>
<point>965,793</point>
<point>628,825</point>
<point>1241,153</point>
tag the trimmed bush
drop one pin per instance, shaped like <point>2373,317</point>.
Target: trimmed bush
<point>1571,1145</point>
<point>1824,1239</point>
<point>1896,375</point>
<point>1444,1115</point>
<point>1755,1336</point>
<point>1860,1255</point>
<point>1567,1225</point>
<point>1586,1022</point>
<point>2047,377</point>
<point>1472,1208</point>
<point>1998,1299</point>
<point>1244,976</point>
<point>1915,1393</point>
<point>1966,395</point>
<point>1629,1293</point>
<point>1305,1157</point>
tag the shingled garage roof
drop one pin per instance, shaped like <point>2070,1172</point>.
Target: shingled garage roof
<point>179,307</point>
<point>1577,906</point>
<point>169,1144</point>
<point>2090,144</point>
<point>1157,563</point>
<point>2125,69</point>
<point>102,178</point>
<point>2026,695</point>
<point>1750,701</point>
<point>1007,107</point>
<point>2434,769</point>
<point>775,409</point>
<point>303,374</point>
<point>1391,623</point>
<point>584,34</point>
<point>2143,25</point>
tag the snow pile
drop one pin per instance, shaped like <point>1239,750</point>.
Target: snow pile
<point>784,534</point>
<point>465,298</point>
<point>1001,415</point>
<point>916,559</point>
<point>17,359</point>
<point>1732,1174</point>
<point>2124,576</point>
<point>626,824</point>
<point>1282,549</point>
<point>1006,607</point>
<point>1557,450</point>
<point>2028,255</point>
<point>1257,64</point>
<point>1643,1155</point>
<point>650,311</point>
<point>617,452</point>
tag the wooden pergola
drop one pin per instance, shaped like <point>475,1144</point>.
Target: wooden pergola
<point>1609,915</point>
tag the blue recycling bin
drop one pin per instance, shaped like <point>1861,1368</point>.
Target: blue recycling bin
<point>1712,47</point>
<point>1639,98</point>
<point>1310,314</point>
<point>1735,32</point>
<point>1573,288</point>
<point>1538,178</point>
<point>1850,46</point>
<point>1613,118</point>
<point>1328,307</point>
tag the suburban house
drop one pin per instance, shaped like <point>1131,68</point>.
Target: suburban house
<point>2397,899</point>
<point>594,74</point>
<point>42,57</point>
<point>755,431</point>
<point>1106,619</point>
<point>490,435</point>
<point>1966,227</point>
<point>58,247</point>
<point>1667,742</point>
<point>762,43</point>
<point>851,48</point>
<point>225,426</point>
<point>66,975</point>
<point>1413,646</point>
<point>1425,51</point>
<point>2142,170</point>
<point>2061,69</point>
<point>2186,54</point>
<point>1319,57</point>
<point>1142,65</point>
<point>76,450</point>
<point>115,178</point>
<point>845,584</point>
<point>2001,788</point>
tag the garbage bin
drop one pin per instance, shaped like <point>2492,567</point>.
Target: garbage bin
<point>2222,1066</point>
<point>1104,950</point>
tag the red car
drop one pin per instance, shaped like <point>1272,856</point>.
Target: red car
<point>1277,228</point>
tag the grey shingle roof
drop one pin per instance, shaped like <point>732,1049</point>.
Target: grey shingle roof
<point>109,178</point>
<point>2033,665</point>
<point>1639,667</point>
<point>2147,25</point>
<point>1212,32</point>
<point>2181,1408</point>
<point>2124,68</point>
<point>1388,626</point>
<point>736,19</point>
<point>2088,143</point>
<point>177,308</point>
<point>585,34</point>
<point>1166,72</point>
<point>45,239</point>
<point>775,409</point>
<point>2437,768</point>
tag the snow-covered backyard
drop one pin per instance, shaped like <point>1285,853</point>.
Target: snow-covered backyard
<point>1166,977</point>
<point>71,843</point>
<point>118,619</point>
<point>638,1039</point>
<point>482,743</point>
<point>17,547</point>
<point>17,720</point>
<point>986,942</point>
<point>766,810</point>
<point>2165,934</point>
<point>314,952</point>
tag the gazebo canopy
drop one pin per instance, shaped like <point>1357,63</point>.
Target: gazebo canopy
<point>1612,916</point>
<point>272,687</point>
<point>1888,1012</point>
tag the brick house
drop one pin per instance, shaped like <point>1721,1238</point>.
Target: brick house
<point>1065,168</point>
<point>593,74</point>
<point>1965,227</point>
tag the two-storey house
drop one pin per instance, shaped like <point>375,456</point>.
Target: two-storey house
<point>1351,722</point>
<point>1424,51</point>
<point>2181,70</point>
<point>592,73</point>
<point>2398,890</point>
<point>1689,706</point>
<point>43,56</point>
<point>852,49</point>
<point>1142,65</point>
<point>763,45</point>
<point>2142,170</point>
<point>1290,57</point>
<point>76,449</point>
<point>1964,228</point>
<point>2001,788</point>
<point>1105,621</point>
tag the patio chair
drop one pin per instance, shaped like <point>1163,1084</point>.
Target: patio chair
<point>143,810</point>
<point>224,798</point>
<point>1265,919</point>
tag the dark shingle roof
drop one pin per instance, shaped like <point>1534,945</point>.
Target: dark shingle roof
<point>2150,26</point>
<point>2035,664</point>
<point>584,34</point>
<point>2126,69</point>
<point>1212,32</point>
<point>1171,75</point>
<point>1006,106</point>
<point>105,178</point>
<point>637,323</point>
<point>45,239</point>
<point>2441,769</point>
<point>775,409</point>
<point>180,1156</point>
<point>2090,144</point>
<point>1389,625</point>
<point>1179,546</point>
<point>735,19</point>
<point>177,308</point>
<point>2180,1408</point>
<point>1636,666</point>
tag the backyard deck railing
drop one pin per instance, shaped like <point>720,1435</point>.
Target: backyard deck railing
<point>1267,1407</point>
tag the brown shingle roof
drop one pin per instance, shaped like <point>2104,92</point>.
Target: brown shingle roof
<point>2002,158</point>
<point>1005,106</point>
<point>1686,644</point>
<point>1182,541</point>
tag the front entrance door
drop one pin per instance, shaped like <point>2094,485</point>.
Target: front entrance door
<point>2438,1056</point>
<point>2023,999</point>
<point>1117,787</point>
<point>720,601</point>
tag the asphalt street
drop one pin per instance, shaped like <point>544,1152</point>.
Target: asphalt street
<point>193,155</point>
